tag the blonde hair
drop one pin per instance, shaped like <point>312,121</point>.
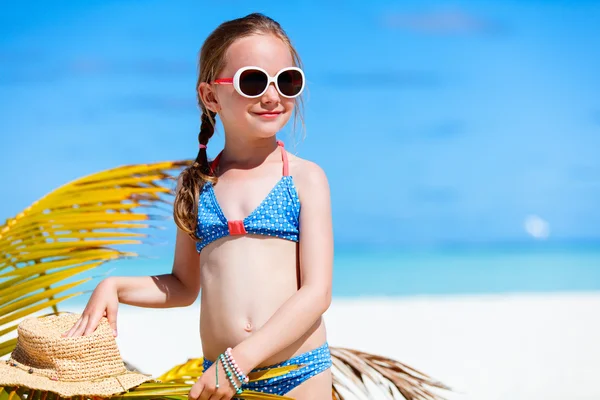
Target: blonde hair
<point>211,63</point>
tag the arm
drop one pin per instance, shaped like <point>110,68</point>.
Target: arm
<point>178,289</point>
<point>299,313</point>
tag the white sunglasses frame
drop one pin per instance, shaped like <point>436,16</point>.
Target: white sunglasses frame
<point>270,79</point>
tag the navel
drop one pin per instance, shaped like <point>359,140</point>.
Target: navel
<point>248,327</point>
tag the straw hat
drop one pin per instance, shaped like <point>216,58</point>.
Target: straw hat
<point>70,366</point>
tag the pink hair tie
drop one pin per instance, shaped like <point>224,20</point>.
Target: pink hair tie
<point>202,146</point>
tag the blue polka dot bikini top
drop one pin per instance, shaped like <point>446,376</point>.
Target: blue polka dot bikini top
<point>278,214</point>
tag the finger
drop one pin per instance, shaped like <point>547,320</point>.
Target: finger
<point>81,328</point>
<point>111,315</point>
<point>92,323</point>
<point>224,396</point>
<point>195,392</point>
<point>70,332</point>
<point>72,329</point>
<point>227,396</point>
<point>207,392</point>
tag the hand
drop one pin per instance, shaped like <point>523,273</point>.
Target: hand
<point>104,302</point>
<point>205,388</point>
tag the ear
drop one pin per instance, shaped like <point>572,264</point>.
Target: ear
<point>208,97</point>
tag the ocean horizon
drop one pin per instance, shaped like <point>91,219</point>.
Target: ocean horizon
<point>388,272</point>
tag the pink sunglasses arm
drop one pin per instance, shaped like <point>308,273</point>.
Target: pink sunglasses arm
<point>223,81</point>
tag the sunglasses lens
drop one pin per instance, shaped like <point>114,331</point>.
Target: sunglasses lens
<point>253,82</point>
<point>290,82</point>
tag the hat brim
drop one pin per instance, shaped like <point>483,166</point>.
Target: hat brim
<point>14,376</point>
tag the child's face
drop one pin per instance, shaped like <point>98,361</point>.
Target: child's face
<point>242,115</point>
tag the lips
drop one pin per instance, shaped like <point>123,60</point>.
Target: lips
<point>268,113</point>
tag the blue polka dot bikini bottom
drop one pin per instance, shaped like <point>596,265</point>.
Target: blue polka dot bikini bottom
<point>312,363</point>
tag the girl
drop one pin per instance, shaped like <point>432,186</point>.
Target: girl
<point>260,220</point>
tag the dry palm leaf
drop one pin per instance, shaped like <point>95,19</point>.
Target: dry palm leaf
<point>73,229</point>
<point>360,374</point>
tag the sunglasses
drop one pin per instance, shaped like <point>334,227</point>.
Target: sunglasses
<point>252,82</point>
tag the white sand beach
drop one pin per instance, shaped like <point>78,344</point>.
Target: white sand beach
<point>489,347</point>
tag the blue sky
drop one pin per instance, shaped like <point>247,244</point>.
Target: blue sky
<point>436,122</point>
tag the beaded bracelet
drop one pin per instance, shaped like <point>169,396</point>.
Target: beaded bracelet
<point>238,390</point>
<point>238,372</point>
<point>217,374</point>
<point>234,370</point>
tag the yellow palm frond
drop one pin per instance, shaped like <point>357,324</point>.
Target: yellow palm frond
<point>179,380</point>
<point>73,229</point>
<point>77,227</point>
<point>146,391</point>
<point>190,371</point>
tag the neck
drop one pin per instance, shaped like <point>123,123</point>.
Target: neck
<point>247,152</point>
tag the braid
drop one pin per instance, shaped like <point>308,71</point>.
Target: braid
<point>192,179</point>
<point>207,129</point>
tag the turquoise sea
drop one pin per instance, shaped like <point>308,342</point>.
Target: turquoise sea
<point>393,272</point>
<point>472,123</point>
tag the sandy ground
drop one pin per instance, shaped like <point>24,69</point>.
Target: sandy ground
<point>514,347</point>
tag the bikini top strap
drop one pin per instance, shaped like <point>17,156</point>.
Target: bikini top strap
<point>284,158</point>
<point>215,163</point>
<point>286,169</point>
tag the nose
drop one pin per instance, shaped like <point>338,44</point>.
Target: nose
<point>271,95</point>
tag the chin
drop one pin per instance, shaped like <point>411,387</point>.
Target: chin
<point>268,129</point>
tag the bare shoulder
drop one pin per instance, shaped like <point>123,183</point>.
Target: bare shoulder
<point>308,175</point>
